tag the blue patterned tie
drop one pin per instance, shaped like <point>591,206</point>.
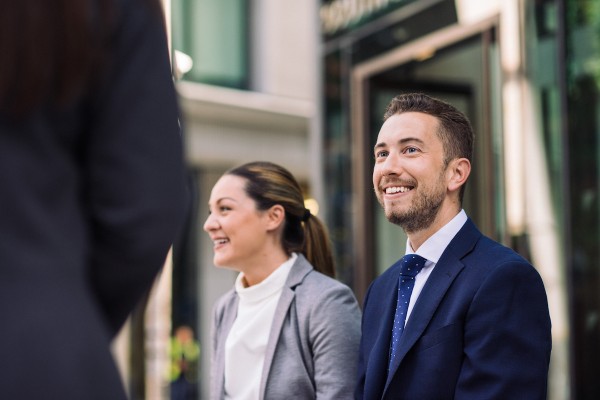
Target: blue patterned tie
<point>410,266</point>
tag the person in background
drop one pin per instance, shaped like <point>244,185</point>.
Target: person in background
<point>92,182</point>
<point>287,330</point>
<point>459,316</point>
<point>184,351</point>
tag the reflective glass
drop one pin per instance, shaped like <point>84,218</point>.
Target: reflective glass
<point>583,102</point>
<point>214,34</point>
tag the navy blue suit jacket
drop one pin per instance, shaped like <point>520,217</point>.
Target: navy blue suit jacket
<point>480,329</point>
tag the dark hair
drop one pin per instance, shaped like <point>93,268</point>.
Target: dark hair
<point>454,131</point>
<point>53,50</point>
<point>269,184</point>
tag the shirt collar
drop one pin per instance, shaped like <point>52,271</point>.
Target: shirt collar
<point>271,285</point>
<point>433,247</point>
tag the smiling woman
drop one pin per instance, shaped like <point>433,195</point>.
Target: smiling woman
<point>261,228</point>
<point>241,233</point>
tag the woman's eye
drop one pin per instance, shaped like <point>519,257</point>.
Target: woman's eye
<point>382,153</point>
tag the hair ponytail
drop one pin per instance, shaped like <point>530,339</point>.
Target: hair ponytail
<point>317,247</point>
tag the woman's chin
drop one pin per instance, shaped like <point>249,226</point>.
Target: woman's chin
<point>223,264</point>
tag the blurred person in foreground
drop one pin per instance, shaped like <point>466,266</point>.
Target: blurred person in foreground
<point>476,324</point>
<point>287,330</point>
<point>92,187</point>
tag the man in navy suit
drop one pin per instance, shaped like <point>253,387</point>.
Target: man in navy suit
<point>477,325</point>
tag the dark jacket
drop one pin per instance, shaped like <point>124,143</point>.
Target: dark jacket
<point>92,197</point>
<point>480,329</point>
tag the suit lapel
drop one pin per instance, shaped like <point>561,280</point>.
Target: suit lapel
<point>438,283</point>
<point>386,297</point>
<point>299,270</point>
<point>442,276</point>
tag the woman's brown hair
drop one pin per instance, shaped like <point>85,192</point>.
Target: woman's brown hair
<point>52,50</point>
<point>269,184</point>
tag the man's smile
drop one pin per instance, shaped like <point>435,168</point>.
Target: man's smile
<point>397,189</point>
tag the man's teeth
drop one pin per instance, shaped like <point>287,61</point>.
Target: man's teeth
<point>397,189</point>
<point>221,241</point>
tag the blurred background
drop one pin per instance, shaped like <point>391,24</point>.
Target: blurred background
<point>305,83</point>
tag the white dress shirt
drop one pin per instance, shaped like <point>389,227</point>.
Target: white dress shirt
<point>432,250</point>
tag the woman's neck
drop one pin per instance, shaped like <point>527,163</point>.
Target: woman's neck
<point>262,268</point>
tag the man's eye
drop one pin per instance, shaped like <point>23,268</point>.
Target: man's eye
<point>410,150</point>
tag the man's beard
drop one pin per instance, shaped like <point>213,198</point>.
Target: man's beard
<point>420,214</point>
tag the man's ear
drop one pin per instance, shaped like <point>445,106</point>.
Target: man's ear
<point>275,217</point>
<point>458,172</point>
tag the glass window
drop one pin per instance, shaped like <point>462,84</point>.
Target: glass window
<point>338,164</point>
<point>583,138</point>
<point>214,34</point>
<point>546,177</point>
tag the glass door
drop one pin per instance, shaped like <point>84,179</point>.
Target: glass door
<point>456,75</point>
<point>460,73</point>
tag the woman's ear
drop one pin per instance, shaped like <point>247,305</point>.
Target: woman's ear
<point>459,170</point>
<point>275,217</point>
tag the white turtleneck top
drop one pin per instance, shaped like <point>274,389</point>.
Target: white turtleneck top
<point>247,341</point>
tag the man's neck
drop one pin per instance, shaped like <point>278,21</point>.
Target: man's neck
<point>417,238</point>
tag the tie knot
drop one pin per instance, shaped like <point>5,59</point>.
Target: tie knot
<point>411,264</point>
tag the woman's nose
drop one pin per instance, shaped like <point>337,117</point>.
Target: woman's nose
<point>210,223</point>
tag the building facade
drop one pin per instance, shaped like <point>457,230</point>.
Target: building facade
<point>304,84</point>
<point>247,83</point>
<point>527,75</point>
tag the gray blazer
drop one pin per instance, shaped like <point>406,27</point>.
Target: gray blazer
<point>312,352</point>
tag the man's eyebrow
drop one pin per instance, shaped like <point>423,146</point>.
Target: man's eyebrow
<point>410,139</point>
<point>401,141</point>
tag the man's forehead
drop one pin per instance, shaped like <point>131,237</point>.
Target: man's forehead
<point>406,127</point>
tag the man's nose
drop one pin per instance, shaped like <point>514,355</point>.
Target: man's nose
<point>392,165</point>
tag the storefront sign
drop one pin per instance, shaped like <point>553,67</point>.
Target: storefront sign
<point>337,15</point>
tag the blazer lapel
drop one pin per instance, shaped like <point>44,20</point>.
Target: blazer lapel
<point>385,295</point>
<point>299,270</point>
<point>442,276</point>
<point>229,316</point>
<point>429,299</point>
